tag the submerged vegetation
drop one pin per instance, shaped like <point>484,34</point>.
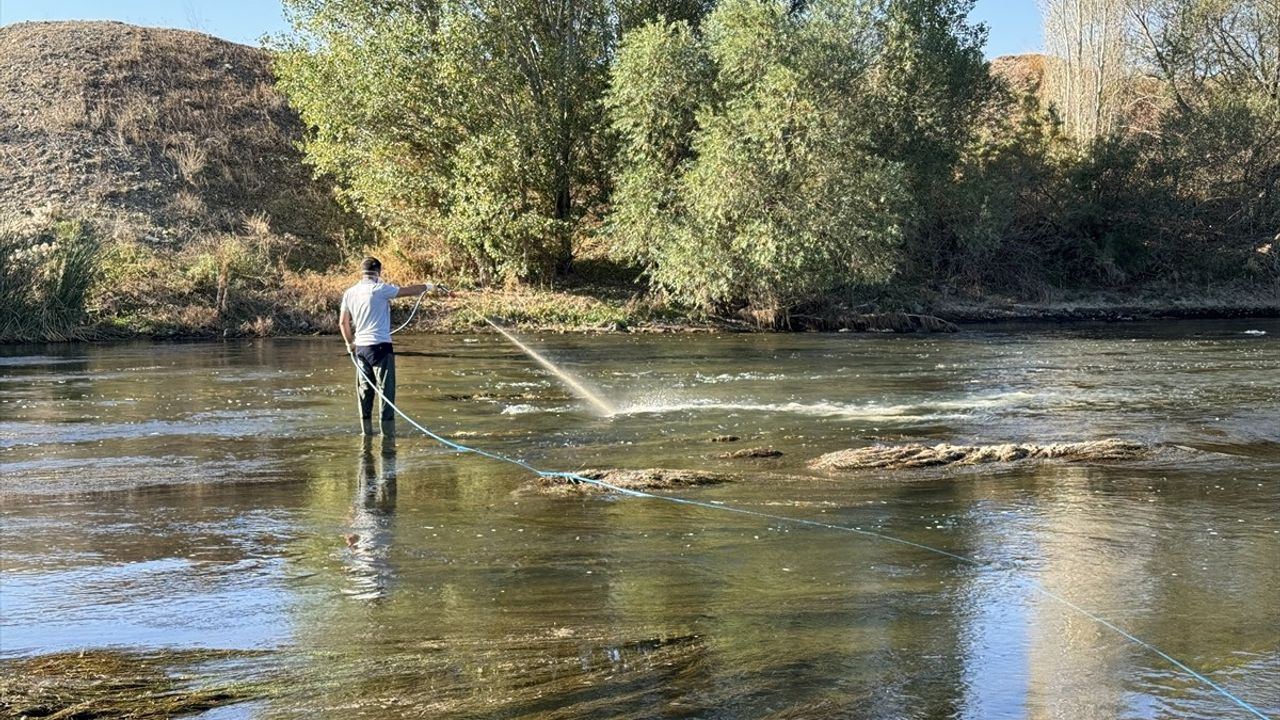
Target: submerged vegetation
<point>111,684</point>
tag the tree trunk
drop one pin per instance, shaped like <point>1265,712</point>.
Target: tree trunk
<point>564,203</point>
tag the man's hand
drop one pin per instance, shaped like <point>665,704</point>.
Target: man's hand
<point>344,326</point>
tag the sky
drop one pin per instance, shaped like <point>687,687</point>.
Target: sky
<point>1014,24</point>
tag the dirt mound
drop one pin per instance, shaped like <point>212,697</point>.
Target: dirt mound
<point>1022,73</point>
<point>902,457</point>
<point>170,132</point>
<point>648,479</point>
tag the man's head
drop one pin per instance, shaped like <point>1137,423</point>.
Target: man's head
<point>370,266</point>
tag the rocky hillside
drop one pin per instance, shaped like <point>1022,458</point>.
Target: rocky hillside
<point>173,135</point>
<point>1023,73</point>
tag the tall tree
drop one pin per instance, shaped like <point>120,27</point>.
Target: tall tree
<point>1218,142</point>
<point>1088,72</point>
<point>747,181</point>
<point>476,123</point>
<point>928,84</point>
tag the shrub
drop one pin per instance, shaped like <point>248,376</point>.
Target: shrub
<point>747,181</point>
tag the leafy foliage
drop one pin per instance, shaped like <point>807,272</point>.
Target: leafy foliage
<point>748,179</point>
<point>928,87</point>
<point>1186,189</point>
<point>1217,149</point>
<point>475,127</point>
<point>762,157</point>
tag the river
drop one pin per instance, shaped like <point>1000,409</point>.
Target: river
<point>216,495</point>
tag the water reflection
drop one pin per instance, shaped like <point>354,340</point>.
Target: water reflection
<point>369,569</point>
<point>219,498</point>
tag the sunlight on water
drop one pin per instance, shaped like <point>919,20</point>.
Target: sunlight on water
<point>222,498</point>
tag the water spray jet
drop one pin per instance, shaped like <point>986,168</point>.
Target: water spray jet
<point>601,406</point>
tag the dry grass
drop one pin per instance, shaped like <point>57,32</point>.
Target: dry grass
<point>70,114</point>
<point>188,206</point>
<point>189,160</point>
<point>1023,73</point>
<point>914,456</point>
<point>534,309</point>
<point>257,226</point>
<point>116,120</point>
<point>133,116</point>
<point>648,479</point>
<point>258,327</point>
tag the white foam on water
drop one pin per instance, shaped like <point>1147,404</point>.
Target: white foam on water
<point>734,377</point>
<point>38,360</point>
<point>1255,332</point>
<point>520,409</point>
<point>845,410</point>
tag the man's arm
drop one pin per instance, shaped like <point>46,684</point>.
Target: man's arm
<point>344,326</point>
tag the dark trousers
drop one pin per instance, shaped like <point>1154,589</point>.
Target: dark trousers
<point>377,362</point>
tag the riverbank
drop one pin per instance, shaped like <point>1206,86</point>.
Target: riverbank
<point>308,305</point>
<point>1200,305</point>
<point>70,279</point>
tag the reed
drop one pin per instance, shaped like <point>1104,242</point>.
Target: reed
<point>45,275</point>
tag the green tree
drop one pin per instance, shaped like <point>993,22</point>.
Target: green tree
<point>475,124</point>
<point>661,78</point>
<point>929,84</point>
<point>746,179</point>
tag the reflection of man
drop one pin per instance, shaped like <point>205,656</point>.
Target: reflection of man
<point>371,516</point>
<point>365,323</point>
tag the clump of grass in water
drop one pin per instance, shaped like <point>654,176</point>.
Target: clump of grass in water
<point>112,684</point>
<point>645,479</point>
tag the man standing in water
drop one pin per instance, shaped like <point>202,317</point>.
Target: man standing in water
<point>365,322</point>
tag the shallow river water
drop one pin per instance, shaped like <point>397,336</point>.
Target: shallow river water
<point>217,496</point>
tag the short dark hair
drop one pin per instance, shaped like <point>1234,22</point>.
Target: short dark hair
<point>371,265</point>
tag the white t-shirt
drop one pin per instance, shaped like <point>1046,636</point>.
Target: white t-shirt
<point>369,303</point>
